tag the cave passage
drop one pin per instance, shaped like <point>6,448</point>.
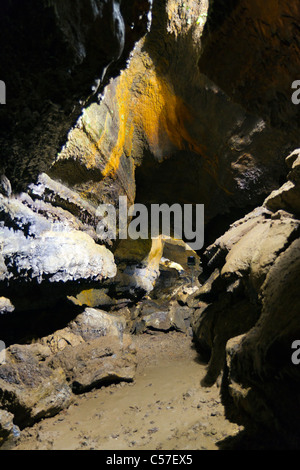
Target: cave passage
<point>149,224</point>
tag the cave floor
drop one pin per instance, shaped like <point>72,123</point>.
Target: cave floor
<point>165,408</point>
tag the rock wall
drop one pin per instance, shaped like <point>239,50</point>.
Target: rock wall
<point>56,57</point>
<point>255,49</point>
<point>247,315</point>
<point>247,312</point>
<point>163,116</point>
<point>52,53</point>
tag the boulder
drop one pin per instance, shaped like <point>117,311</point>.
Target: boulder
<point>37,380</point>
<point>7,427</point>
<point>287,197</point>
<point>155,316</point>
<point>29,388</point>
<point>60,339</point>
<point>94,323</point>
<point>97,362</point>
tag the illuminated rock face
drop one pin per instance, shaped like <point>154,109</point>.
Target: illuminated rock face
<point>163,131</point>
<point>52,53</point>
<point>50,252</point>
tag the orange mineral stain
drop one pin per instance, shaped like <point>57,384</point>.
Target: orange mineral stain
<point>148,110</point>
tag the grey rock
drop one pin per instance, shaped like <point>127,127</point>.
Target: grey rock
<point>40,251</point>
<point>5,186</point>
<point>94,323</point>
<point>7,427</point>
<point>163,316</point>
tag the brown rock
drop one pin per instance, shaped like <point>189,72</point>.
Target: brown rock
<point>99,362</point>
<point>262,383</point>
<point>29,388</point>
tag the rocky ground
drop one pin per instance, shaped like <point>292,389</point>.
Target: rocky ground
<point>164,408</point>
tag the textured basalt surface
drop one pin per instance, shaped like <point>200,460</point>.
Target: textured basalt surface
<point>52,52</point>
<point>164,116</point>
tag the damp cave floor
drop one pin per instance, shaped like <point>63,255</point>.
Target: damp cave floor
<point>165,408</point>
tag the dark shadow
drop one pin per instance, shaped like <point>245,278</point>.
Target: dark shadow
<point>52,52</point>
<point>233,39</point>
<point>259,439</point>
<point>200,171</point>
<point>27,326</point>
